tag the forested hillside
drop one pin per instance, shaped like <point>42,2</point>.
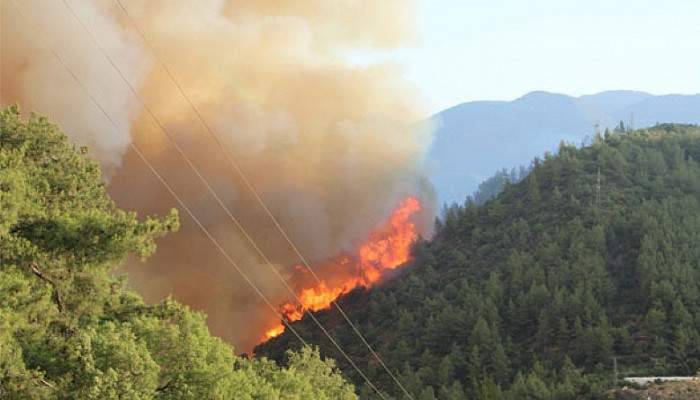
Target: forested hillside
<point>71,330</point>
<point>592,257</point>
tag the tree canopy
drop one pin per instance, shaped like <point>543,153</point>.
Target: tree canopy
<point>70,329</point>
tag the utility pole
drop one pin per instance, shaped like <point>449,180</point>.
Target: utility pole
<point>615,370</point>
<point>597,191</point>
<point>631,127</point>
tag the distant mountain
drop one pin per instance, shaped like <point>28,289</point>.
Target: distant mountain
<point>475,139</point>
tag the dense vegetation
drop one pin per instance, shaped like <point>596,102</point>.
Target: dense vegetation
<point>71,330</point>
<point>592,257</point>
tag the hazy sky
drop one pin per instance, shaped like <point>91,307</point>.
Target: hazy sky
<point>499,50</point>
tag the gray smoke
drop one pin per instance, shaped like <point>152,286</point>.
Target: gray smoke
<point>331,147</point>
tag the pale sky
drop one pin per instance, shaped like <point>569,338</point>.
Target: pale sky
<point>499,50</point>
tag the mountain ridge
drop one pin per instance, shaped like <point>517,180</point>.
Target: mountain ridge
<point>476,138</point>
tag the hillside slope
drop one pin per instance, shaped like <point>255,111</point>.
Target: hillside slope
<point>477,138</point>
<point>594,255</point>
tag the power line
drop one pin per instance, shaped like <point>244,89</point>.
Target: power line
<point>185,207</point>
<point>160,177</point>
<point>209,187</point>
<point>252,189</point>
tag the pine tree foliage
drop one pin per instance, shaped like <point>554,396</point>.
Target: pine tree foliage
<point>69,329</point>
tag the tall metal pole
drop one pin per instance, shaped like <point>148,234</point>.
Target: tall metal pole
<point>597,188</point>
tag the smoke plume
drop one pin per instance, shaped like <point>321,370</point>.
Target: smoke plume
<point>331,147</point>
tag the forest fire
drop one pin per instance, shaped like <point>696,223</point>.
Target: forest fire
<point>387,248</point>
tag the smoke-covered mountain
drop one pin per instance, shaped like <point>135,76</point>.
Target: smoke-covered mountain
<point>475,139</point>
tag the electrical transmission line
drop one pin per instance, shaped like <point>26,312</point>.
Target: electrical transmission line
<point>236,167</point>
<point>191,165</point>
<point>184,205</point>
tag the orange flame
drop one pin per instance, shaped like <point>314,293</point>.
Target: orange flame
<point>276,331</point>
<point>387,248</point>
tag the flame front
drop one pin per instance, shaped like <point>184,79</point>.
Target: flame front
<point>276,331</point>
<point>387,248</point>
